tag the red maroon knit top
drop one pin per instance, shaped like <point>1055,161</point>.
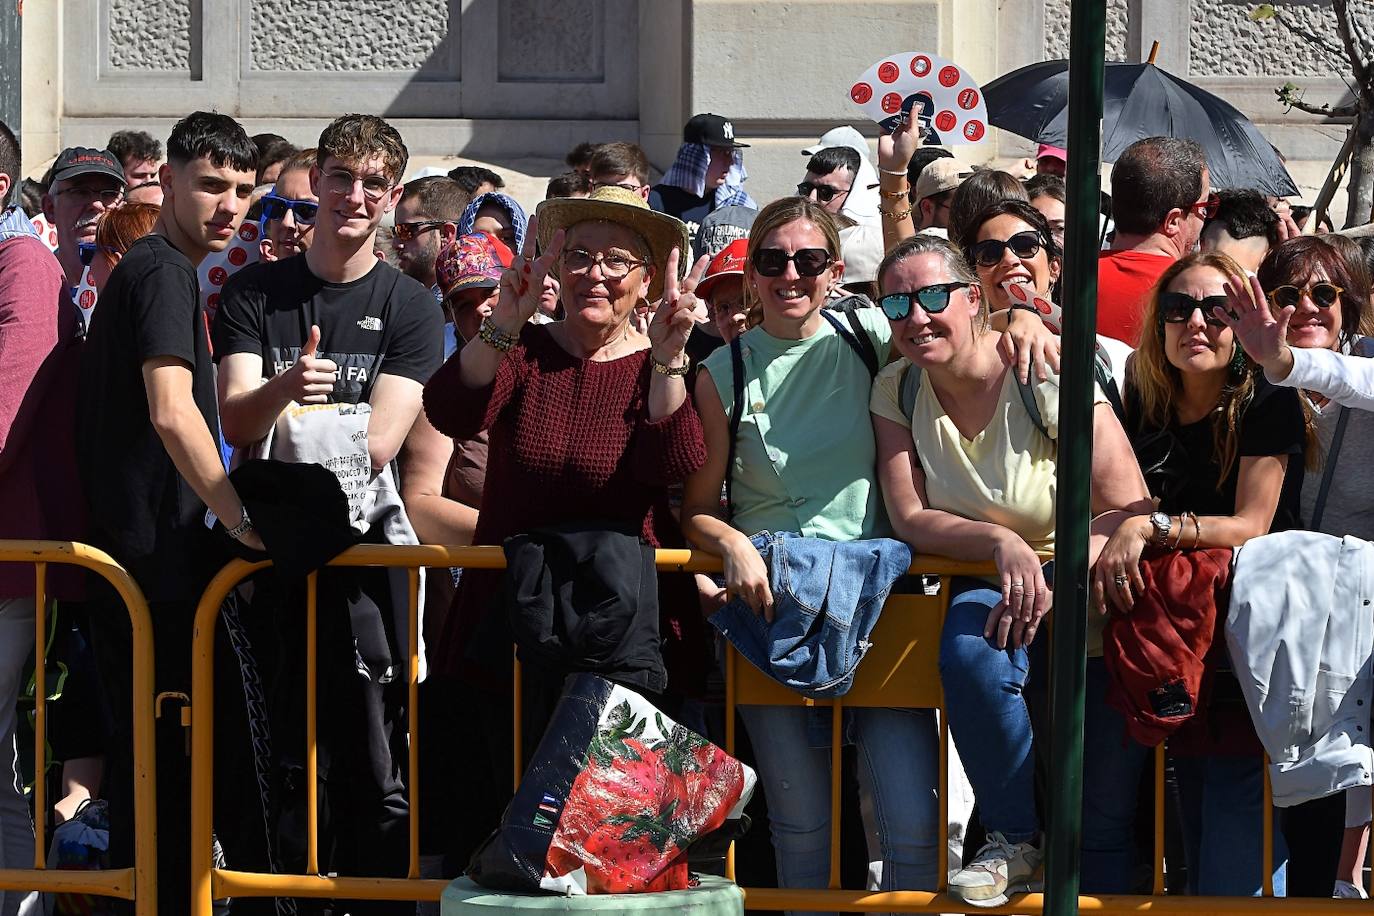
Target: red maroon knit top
<point>571,440</point>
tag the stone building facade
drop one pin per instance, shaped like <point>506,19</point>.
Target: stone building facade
<point>501,80</point>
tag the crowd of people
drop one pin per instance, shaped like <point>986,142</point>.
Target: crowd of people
<point>871,360</point>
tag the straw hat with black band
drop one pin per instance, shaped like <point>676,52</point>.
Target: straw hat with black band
<point>610,204</point>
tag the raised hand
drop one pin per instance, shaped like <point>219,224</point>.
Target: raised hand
<point>896,149</point>
<point>311,379</point>
<point>1261,332</point>
<point>522,285</point>
<point>672,322</point>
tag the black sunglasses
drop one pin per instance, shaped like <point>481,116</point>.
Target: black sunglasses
<point>86,252</point>
<point>1323,295</point>
<point>1023,244</point>
<point>934,299</point>
<point>824,193</point>
<point>275,207</point>
<point>1176,308</point>
<point>811,262</point>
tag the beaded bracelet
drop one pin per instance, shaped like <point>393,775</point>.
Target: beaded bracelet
<point>494,337</point>
<point>894,173</point>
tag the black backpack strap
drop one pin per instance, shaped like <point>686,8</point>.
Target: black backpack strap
<point>1027,392</point>
<point>1320,508</point>
<point>736,413</point>
<point>857,338</point>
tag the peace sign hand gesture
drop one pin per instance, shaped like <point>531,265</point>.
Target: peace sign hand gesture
<point>673,320</point>
<point>1259,331</point>
<point>522,285</point>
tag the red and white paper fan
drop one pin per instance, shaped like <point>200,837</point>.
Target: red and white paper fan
<point>218,267</point>
<point>940,94</point>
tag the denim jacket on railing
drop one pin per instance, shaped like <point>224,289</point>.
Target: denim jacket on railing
<point>827,596</point>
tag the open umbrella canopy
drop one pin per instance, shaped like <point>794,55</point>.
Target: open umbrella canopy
<point>1141,100</point>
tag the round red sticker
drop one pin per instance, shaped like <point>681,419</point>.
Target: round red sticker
<point>212,301</point>
<point>968,99</point>
<point>52,237</point>
<point>1016,291</point>
<point>946,120</point>
<point>888,72</point>
<point>974,131</point>
<point>1042,306</point>
<point>861,93</point>
<point>920,65</point>
<point>248,232</point>
<point>218,275</point>
<point>949,75</point>
<point>238,256</point>
<point>88,298</point>
<point>892,103</point>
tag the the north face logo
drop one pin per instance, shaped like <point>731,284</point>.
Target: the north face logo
<point>370,323</point>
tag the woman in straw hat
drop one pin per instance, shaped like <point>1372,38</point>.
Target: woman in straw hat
<point>589,418</point>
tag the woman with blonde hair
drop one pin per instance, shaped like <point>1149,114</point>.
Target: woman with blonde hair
<point>1223,454</point>
<point>789,438</point>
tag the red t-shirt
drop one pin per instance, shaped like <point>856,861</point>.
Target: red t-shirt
<point>1124,281</point>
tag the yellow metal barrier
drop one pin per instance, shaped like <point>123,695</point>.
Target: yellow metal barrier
<point>901,670</point>
<point>138,883</point>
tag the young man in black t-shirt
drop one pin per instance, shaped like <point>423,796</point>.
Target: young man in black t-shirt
<point>149,461</point>
<point>336,325</point>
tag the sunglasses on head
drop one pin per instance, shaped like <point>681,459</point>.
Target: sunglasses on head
<point>86,252</point>
<point>406,231</point>
<point>824,193</point>
<point>275,207</point>
<point>1323,295</point>
<point>811,262</point>
<point>1176,308</point>
<point>934,299</point>
<point>990,251</point>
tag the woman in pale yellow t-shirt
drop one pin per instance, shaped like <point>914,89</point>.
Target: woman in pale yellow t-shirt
<point>970,475</point>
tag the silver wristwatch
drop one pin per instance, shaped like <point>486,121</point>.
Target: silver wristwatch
<point>244,526</point>
<point>1162,523</point>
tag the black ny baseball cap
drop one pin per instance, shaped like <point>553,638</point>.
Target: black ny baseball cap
<point>83,160</point>
<point>713,130</point>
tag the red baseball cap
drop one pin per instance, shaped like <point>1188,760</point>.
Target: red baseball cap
<point>728,262</point>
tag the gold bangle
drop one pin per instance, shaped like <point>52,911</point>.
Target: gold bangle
<point>671,371</point>
<point>1197,531</point>
<point>494,337</point>
<point>895,214</point>
<point>895,195</point>
<point>1182,523</point>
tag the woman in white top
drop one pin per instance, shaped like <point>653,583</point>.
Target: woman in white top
<point>967,471</point>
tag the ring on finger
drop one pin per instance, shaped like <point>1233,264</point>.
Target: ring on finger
<point>1121,581</point>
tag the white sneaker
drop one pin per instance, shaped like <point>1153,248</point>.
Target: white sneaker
<point>999,870</point>
<point>1347,891</point>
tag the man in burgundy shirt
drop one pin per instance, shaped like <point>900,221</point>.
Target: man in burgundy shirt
<point>38,482</point>
<point>1161,196</point>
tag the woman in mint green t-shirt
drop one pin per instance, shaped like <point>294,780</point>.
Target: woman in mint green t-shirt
<point>804,462</point>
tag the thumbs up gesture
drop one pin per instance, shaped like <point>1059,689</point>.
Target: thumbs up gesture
<point>311,379</point>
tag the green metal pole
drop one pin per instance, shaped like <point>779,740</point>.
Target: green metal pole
<point>1087,44</point>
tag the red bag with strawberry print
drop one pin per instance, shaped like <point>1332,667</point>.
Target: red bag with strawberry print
<point>616,794</point>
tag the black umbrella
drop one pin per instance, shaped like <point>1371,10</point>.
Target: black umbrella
<point>1141,100</point>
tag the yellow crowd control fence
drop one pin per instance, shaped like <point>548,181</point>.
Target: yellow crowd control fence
<point>138,883</point>
<point>899,671</point>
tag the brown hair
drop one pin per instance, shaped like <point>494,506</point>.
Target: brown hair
<point>1341,259</point>
<point>303,159</point>
<point>779,213</point>
<point>620,159</point>
<point>356,138</point>
<point>976,193</point>
<point>119,228</point>
<point>1159,383</point>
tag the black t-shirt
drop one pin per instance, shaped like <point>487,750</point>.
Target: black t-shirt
<point>689,208</point>
<point>381,322</point>
<point>1182,464</point>
<point>142,512</point>
<point>702,343</point>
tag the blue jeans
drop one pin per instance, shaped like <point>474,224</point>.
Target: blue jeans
<point>1223,807</point>
<point>987,713</point>
<point>898,772</point>
<point>1112,765</point>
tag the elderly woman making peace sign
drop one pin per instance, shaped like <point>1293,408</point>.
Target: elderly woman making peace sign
<point>589,418</point>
